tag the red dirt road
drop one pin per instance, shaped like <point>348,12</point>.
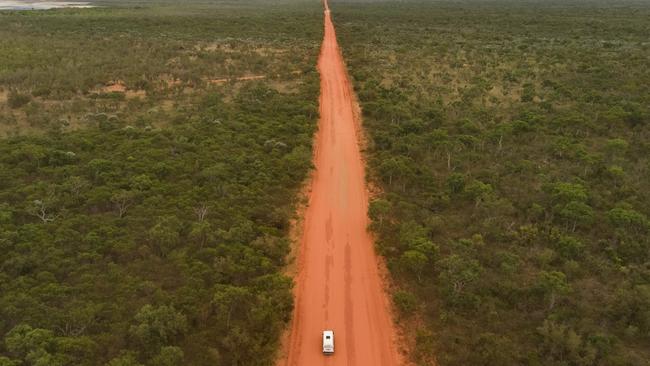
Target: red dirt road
<point>338,282</point>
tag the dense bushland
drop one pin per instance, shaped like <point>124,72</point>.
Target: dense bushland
<point>124,243</point>
<point>510,143</point>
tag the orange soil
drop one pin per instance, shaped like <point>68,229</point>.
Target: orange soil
<point>338,283</point>
<point>117,86</point>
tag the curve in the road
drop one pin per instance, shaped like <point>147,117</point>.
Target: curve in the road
<point>338,282</point>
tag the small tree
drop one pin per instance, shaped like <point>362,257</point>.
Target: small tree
<point>123,199</point>
<point>394,168</point>
<point>165,234</point>
<point>576,213</point>
<point>479,192</point>
<point>456,182</point>
<point>126,359</point>
<point>201,211</point>
<point>457,274</point>
<point>201,232</point>
<point>43,210</point>
<point>616,148</point>
<point>568,192</point>
<point>168,356</point>
<point>405,302</point>
<point>627,218</point>
<point>378,210</point>
<point>227,299</point>
<point>75,185</point>
<point>569,246</point>
<point>553,284</point>
<point>414,262</point>
<point>158,326</point>
<point>16,100</point>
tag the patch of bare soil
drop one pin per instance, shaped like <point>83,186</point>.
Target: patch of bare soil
<point>15,122</point>
<point>242,78</point>
<point>228,48</point>
<point>119,87</point>
<point>213,47</point>
<point>167,105</point>
<point>131,94</point>
<point>269,51</point>
<point>116,86</point>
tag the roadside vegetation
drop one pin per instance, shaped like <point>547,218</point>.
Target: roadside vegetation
<point>145,188</point>
<point>509,145</point>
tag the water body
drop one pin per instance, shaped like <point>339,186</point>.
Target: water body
<point>41,5</point>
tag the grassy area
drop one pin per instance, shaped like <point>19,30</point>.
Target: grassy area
<point>151,159</point>
<point>510,144</point>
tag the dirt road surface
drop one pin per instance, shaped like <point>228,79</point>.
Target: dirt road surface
<point>338,282</point>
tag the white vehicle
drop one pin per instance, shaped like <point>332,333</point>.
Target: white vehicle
<point>328,342</point>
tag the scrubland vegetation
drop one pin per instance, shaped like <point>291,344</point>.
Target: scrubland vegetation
<point>57,66</point>
<point>145,192</point>
<point>509,142</point>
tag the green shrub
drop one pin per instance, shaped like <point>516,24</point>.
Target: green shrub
<point>405,302</point>
<point>16,100</point>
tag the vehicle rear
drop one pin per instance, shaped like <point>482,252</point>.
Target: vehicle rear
<point>328,342</point>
